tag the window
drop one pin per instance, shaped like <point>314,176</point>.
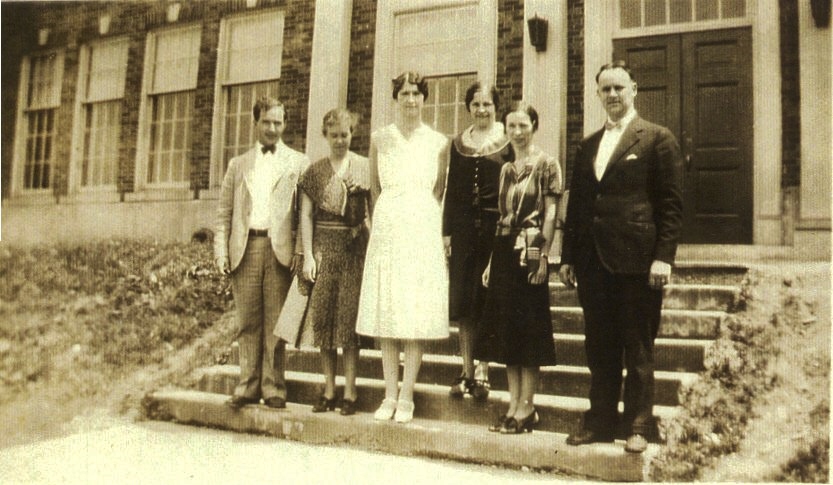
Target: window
<point>102,94</point>
<point>636,14</point>
<point>43,96</point>
<point>241,81</point>
<point>173,83</point>
<point>445,109</point>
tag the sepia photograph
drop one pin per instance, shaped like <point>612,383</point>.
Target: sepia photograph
<point>421,241</point>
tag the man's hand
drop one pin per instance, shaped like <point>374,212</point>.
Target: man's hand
<point>295,263</point>
<point>447,245</point>
<point>540,276</point>
<point>660,274</point>
<point>567,275</point>
<point>223,266</point>
<point>310,269</point>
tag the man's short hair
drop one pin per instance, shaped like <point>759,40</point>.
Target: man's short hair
<point>618,64</point>
<point>264,104</point>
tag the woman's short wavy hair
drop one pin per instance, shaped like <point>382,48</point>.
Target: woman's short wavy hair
<point>413,78</point>
<point>480,86</point>
<point>338,116</point>
<point>523,107</point>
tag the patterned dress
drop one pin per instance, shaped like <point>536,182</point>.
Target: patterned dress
<point>405,282</point>
<point>516,324</point>
<point>338,244</point>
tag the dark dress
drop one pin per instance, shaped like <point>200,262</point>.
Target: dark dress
<point>516,328</point>
<point>470,216</point>
<point>338,245</point>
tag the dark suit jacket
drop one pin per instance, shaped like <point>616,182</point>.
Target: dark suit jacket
<point>633,215</point>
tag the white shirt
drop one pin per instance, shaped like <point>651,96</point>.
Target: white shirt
<point>610,139</point>
<point>262,180</point>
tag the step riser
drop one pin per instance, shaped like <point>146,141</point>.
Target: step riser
<point>469,444</point>
<point>706,298</point>
<point>553,381</point>
<point>433,406</point>
<point>672,325</point>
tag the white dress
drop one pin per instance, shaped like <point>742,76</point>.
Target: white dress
<point>405,281</point>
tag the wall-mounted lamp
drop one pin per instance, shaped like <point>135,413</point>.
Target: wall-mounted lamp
<point>104,23</point>
<point>821,12</point>
<point>43,37</point>
<point>538,33</point>
<point>172,14</point>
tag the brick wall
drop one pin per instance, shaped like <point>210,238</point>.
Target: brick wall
<point>360,76</point>
<point>790,95</point>
<point>72,24</point>
<point>575,81</point>
<point>510,58</point>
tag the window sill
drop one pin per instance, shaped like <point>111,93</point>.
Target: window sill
<point>34,197</point>
<point>159,194</point>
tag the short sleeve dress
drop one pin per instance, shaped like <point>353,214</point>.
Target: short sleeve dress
<point>405,282</point>
<point>516,324</point>
<point>338,245</point>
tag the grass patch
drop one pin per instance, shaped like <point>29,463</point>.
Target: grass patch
<point>84,315</point>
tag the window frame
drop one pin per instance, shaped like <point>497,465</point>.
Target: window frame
<point>18,167</point>
<point>679,27</point>
<point>178,189</point>
<point>459,104</point>
<point>223,86</point>
<point>82,104</point>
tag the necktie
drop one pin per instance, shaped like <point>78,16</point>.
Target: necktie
<point>268,148</point>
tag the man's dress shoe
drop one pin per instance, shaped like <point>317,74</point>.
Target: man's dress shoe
<point>587,436</point>
<point>237,402</point>
<point>636,443</point>
<point>275,402</point>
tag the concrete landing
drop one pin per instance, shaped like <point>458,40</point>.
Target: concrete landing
<point>421,437</point>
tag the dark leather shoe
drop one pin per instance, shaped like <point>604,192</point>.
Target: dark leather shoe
<point>636,443</point>
<point>324,405</point>
<point>479,390</point>
<point>237,402</point>
<point>348,407</point>
<point>275,402</point>
<point>499,423</point>
<point>518,426</point>
<point>587,436</point>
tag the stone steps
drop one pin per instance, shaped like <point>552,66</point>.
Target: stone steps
<point>558,413</point>
<point>693,311</point>
<point>453,440</point>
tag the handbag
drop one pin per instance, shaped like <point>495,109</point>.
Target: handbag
<point>290,326</point>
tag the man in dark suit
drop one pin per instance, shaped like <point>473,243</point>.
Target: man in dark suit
<point>623,220</point>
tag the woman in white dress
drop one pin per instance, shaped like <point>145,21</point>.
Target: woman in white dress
<point>405,282</point>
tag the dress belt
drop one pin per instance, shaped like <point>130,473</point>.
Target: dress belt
<point>334,225</point>
<point>258,232</point>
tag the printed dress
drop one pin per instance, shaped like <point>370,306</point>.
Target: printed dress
<point>338,244</point>
<point>405,282</point>
<point>516,324</point>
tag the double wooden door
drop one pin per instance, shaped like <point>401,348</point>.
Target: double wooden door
<point>699,85</point>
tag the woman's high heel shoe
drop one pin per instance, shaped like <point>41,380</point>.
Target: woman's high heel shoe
<point>404,411</point>
<point>499,423</point>
<point>386,410</point>
<point>525,425</point>
<point>348,407</point>
<point>324,405</point>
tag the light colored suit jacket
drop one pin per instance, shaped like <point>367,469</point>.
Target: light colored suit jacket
<point>235,206</point>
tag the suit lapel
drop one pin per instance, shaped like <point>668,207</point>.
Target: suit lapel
<point>283,162</point>
<point>629,138</point>
<point>248,168</point>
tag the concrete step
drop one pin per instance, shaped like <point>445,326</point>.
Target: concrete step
<point>682,324</point>
<point>558,413</point>
<point>422,437</point>
<point>676,297</point>
<point>561,380</point>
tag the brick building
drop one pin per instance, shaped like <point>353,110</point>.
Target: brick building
<point>119,117</point>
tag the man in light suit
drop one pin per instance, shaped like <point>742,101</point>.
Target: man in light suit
<point>623,221</point>
<point>255,245</point>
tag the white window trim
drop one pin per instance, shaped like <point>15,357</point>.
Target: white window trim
<point>383,109</point>
<point>140,183</point>
<point>218,123</point>
<point>77,142</point>
<point>680,27</point>
<point>16,188</point>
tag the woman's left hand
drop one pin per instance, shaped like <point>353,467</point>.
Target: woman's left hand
<point>540,276</point>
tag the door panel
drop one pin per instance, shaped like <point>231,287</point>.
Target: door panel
<point>698,85</point>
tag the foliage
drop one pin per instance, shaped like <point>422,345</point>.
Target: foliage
<point>111,305</point>
<point>717,407</point>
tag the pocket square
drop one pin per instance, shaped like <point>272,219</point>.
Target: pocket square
<point>632,156</point>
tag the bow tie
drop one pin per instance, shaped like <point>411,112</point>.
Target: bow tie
<point>609,125</point>
<point>269,148</point>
